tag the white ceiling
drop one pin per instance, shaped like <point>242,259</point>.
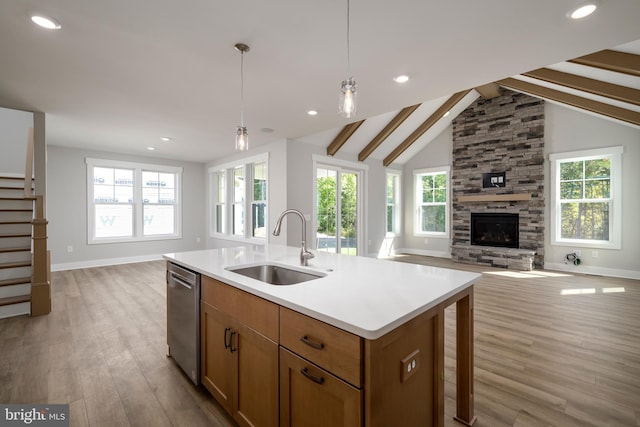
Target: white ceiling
<point>120,74</point>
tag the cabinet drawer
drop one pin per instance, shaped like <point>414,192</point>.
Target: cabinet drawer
<point>255,312</point>
<point>335,350</point>
<point>312,397</point>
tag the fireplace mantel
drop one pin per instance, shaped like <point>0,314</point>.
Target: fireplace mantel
<point>495,197</point>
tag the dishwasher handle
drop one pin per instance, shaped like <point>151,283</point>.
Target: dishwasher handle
<point>174,278</point>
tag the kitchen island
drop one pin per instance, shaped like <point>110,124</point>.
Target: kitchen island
<point>373,327</point>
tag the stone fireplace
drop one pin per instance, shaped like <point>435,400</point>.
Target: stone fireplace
<point>501,137</point>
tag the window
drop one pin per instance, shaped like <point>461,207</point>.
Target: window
<point>586,194</point>
<point>393,202</point>
<point>132,202</point>
<point>431,202</point>
<point>246,201</point>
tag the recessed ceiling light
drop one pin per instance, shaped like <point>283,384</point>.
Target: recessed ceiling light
<point>165,138</point>
<point>46,22</point>
<point>312,112</point>
<point>446,114</point>
<point>583,10</point>
<point>403,78</point>
<point>151,148</point>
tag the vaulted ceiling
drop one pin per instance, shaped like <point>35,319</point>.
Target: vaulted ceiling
<point>605,83</point>
<point>120,74</point>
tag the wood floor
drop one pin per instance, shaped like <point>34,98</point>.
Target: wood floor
<point>551,349</point>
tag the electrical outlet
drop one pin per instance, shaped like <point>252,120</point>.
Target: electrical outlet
<point>577,252</point>
<point>594,254</point>
<point>409,365</point>
<point>69,248</point>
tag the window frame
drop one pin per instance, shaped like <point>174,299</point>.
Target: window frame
<point>417,199</point>
<point>227,170</point>
<point>137,203</point>
<point>614,154</point>
<point>396,205</point>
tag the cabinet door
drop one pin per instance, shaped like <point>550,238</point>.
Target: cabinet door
<point>256,383</point>
<point>312,397</point>
<point>216,360</point>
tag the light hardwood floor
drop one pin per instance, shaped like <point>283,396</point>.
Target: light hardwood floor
<point>551,349</point>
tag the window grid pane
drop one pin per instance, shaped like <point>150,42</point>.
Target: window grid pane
<point>432,212</point>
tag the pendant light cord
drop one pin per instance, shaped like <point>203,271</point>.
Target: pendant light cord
<point>242,89</point>
<point>348,42</point>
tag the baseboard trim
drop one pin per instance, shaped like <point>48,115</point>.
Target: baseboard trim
<point>424,252</point>
<point>598,271</point>
<point>104,262</point>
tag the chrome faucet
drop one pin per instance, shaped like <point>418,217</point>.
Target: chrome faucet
<point>305,255</point>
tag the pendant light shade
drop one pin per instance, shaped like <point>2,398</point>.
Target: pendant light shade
<point>242,137</point>
<point>348,95</point>
<point>347,102</point>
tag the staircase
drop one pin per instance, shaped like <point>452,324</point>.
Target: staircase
<point>18,229</point>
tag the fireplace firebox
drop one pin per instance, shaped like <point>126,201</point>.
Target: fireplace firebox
<point>494,229</point>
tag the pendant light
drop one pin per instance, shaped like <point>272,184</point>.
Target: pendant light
<point>242,137</point>
<point>347,104</point>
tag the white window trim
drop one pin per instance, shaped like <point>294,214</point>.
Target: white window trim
<point>362,170</point>
<point>613,153</point>
<point>137,204</point>
<point>417,195</point>
<point>228,168</point>
<point>397,203</point>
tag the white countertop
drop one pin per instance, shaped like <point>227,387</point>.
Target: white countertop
<point>365,296</point>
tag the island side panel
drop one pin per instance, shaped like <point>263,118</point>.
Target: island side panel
<point>395,395</point>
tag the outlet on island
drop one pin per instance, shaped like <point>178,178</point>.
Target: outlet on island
<point>410,365</point>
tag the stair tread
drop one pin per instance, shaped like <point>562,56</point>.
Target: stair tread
<point>17,178</point>
<point>15,222</point>
<point>17,281</point>
<point>15,210</point>
<point>15,235</point>
<point>15,264</point>
<point>16,249</point>
<point>15,300</point>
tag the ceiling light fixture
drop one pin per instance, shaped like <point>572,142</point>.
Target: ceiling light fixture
<point>242,137</point>
<point>403,78</point>
<point>347,105</point>
<point>583,10</point>
<point>165,138</point>
<point>151,148</point>
<point>312,112</point>
<point>46,22</point>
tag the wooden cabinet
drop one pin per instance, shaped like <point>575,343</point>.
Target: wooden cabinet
<point>239,359</point>
<point>312,397</point>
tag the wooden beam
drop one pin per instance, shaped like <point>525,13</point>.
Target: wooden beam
<point>585,84</point>
<point>611,60</point>
<point>490,90</point>
<point>612,111</point>
<point>342,137</point>
<point>425,126</point>
<point>388,130</point>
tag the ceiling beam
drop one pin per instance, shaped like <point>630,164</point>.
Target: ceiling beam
<point>611,60</point>
<point>342,137</point>
<point>585,84</point>
<point>490,90</point>
<point>608,110</point>
<point>388,130</point>
<point>425,126</point>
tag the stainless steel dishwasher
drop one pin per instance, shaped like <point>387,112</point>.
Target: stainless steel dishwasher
<point>183,319</point>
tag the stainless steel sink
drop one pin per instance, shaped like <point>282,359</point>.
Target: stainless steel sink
<point>276,274</point>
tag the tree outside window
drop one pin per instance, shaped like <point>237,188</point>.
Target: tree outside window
<point>431,202</point>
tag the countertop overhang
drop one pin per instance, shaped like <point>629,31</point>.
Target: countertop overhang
<point>365,296</point>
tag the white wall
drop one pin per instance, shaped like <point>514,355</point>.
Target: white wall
<point>14,127</point>
<point>438,153</point>
<point>569,130</point>
<point>67,212</point>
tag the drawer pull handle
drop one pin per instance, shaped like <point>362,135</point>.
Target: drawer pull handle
<point>226,331</point>
<point>317,345</point>
<point>305,372</point>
